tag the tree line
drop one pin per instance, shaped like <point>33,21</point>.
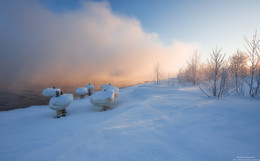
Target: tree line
<point>221,75</point>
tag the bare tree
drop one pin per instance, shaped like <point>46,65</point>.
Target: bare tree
<point>257,81</point>
<point>257,78</point>
<point>213,79</point>
<point>238,69</point>
<point>193,66</point>
<point>169,79</point>
<point>157,73</point>
<point>216,62</point>
<point>252,48</point>
<point>192,71</point>
<point>216,77</point>
<point>224,81</point>
<point>181,75</point>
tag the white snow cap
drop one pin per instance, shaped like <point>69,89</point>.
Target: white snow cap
<point>90,86</point>
<point>50,92</point>
<point>82,91</point>
<point>61,102</point>
<point>102,98</point>
<point>111,88</point>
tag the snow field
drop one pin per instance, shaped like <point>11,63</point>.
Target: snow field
<point>147,123</point>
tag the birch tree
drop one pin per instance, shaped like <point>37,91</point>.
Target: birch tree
<point>252,51</point>
<point>157,73</point>
<point>216,62</point>
<point>193,66</point>
<point>238,70</point>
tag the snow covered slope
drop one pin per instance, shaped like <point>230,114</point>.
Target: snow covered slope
<point>147,123</point>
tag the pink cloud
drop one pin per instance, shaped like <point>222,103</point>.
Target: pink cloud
<point>87,44</point>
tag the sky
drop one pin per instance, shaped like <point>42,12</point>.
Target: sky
<point>210,23</point>
<point>50,41</point>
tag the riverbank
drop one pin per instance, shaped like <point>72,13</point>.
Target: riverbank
<point>17,98</point>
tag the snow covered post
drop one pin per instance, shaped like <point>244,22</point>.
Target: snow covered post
<point>82,91</point>
<point>105,97</point>
<point>111,88</point>
<point>50,92</point>
<point>90,89</point>
<point>102,99</point>
<point>60,102</point>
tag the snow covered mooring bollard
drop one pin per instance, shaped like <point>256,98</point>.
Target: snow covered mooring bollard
<point>82,91</point>
<point>60,102</point>
<point>50,92</point>
<point>110,87</point>
<point>90,89</point>
<point>102,99</point>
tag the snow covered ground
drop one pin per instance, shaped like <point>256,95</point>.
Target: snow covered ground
<point>147,123</point>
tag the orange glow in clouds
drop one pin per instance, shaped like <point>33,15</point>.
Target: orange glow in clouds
<point>90,44</point>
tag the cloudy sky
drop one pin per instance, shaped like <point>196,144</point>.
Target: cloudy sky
<point>68,40</point>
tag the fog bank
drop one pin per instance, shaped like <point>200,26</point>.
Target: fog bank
<point>39,46</point>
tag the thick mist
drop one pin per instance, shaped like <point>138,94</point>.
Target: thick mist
<point>38,46</point>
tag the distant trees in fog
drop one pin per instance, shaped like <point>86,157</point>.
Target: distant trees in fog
<point>192,72</point>
<point>157,73</point>
<point>238,70</point>
<point>194,65</point>
<point>219,75</point>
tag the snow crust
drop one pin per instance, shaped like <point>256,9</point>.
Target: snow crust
<point>153,123</point>
<point>61,102</point>
<point>82,91</point>
<point>49,92</point>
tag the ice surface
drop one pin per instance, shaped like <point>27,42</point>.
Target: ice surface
<point>147,123</point>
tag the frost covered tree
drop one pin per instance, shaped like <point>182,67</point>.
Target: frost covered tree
<point>193,66</point>
<point>157,73</point>
<point>180,75</point>
<point>218,76</point>
<point>192,71</point>
<point>169,79</point>
<point>252,51</point>
<point>214,80</point>
<point>216,63</point>
<point>224,82</point>
<point>237,65</point>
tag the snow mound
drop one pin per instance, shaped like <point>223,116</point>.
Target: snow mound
<point>50,92</point>
<point>61,102</point>
<point>81,91</point>
<point>102,98</point>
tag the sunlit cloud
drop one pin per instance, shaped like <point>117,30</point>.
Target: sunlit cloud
<point>91,43</point>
